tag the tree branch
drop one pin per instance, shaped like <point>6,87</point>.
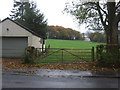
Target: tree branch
<point>118,4</point>
<point>102,9</point>
<point>101,16</point>
<point>92,3</point>
<point>118,18</point>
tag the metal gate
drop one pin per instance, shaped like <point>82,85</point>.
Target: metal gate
<point>57,55</point>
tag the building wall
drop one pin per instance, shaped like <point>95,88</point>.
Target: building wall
<point>0,29</point>
<point>36,42</point>
<point>0,40</point>
<point>11,29</point>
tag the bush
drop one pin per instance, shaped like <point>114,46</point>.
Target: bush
<point>107,58</point>
<point>31,54</point>
<point>27,58</point>
<point>47,48</point>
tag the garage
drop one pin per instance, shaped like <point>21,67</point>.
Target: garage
<point>15,38</point>
<point>14,46</point>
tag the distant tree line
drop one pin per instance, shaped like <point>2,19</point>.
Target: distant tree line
<point>96,37</point>
<point>59,32</point>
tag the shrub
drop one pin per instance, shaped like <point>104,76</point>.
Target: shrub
<point>47,48</point>
<point>31,54</point>
<point>107,58</point>
<point>27,58</point>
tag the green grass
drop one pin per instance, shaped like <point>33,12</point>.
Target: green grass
<point>71,44</point>
<point>75,50</point>
<point>67,55</point>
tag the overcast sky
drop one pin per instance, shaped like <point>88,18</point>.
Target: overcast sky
<point>52,10</point>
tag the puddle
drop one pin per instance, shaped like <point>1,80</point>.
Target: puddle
<point>62,73</point>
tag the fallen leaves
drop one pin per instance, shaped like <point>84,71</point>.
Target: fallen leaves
<point>16,64</point>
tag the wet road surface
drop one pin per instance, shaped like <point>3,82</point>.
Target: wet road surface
<point>59,79</point>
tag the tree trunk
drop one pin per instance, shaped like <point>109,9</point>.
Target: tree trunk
<point>107,35</point>
<point>112,31</point>
<point>112,34</point>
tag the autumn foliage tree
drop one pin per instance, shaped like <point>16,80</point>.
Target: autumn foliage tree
<point>59,32</point>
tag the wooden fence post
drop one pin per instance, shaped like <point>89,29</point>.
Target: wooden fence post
<point>93,54</point>
<point>97,54</point>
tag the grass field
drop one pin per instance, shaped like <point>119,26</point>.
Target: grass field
<point>71,44</point>
<point>74,50</point>
<point>66,55</point>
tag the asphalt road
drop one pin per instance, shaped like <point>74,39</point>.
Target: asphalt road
<point>36,81</point>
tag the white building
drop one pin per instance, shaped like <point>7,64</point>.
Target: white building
<point>16,37</point>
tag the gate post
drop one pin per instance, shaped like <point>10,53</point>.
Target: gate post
<point>97,56</point>
<point>93,55</point>
<point>62,55</point>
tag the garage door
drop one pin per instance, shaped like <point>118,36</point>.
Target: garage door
<point>14,46</point>
<point>0,47</point>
